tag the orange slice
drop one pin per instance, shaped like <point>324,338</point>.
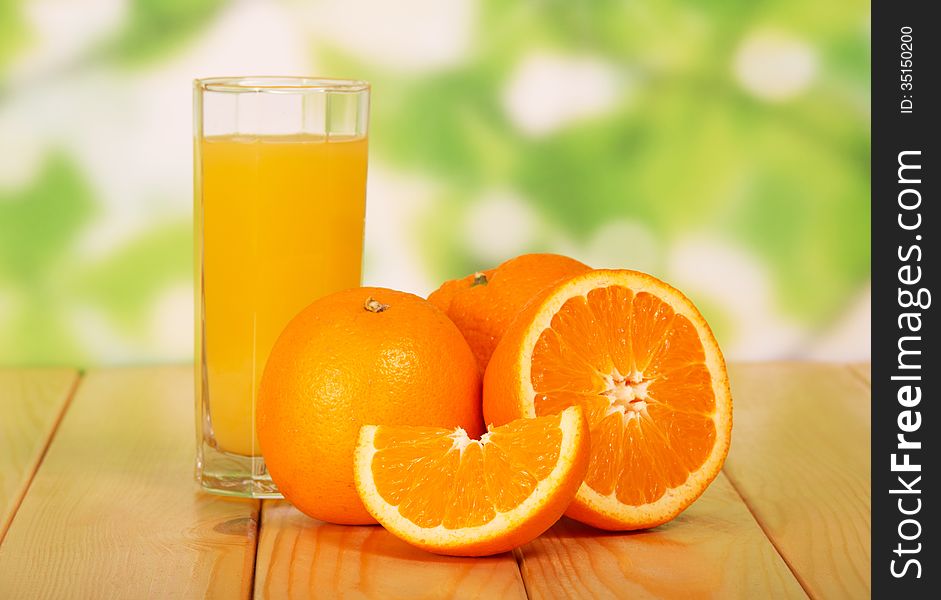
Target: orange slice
<point>442,491</point>
<point>641,361</point>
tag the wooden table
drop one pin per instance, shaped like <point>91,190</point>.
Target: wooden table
<point>97,500</point>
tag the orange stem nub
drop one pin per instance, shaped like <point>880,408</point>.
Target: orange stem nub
<point>374,306</point>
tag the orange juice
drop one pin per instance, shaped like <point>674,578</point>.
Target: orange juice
<point>282,224</point>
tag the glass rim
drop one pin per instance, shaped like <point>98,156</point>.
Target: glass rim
<point>279,84</point>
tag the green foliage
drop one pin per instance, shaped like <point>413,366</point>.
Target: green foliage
<point>38,226</point>
<point>155,27</point>
<point>690,152</point>
<point>687,151</point>
<point>125,283</point>
<point>11,30</point>
<point>43,280</point>
<point>38,223</point>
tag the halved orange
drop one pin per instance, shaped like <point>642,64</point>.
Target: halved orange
<point>641,361</point>
<point>440,490</point>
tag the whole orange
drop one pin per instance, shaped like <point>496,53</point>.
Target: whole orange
<point>483,304</point>
<point>364,356</point>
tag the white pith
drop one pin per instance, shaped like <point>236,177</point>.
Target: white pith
<point>460,440</point>
<point>627,394</point>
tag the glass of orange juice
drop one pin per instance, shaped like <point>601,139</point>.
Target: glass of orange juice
<point>280,198</point>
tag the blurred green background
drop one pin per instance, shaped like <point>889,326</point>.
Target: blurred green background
<point>722,146</point>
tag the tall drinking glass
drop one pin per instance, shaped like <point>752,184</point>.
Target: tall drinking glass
<point>280,178</point>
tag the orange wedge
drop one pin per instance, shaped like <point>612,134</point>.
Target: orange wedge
<point>641,361</point>
<point>441,491</point>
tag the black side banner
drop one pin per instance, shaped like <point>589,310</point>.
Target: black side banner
<point>906,366</point>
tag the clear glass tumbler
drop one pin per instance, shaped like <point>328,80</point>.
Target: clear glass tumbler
<point>280,199</point>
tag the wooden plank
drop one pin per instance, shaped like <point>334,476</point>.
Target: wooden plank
<point>299,557</point>
<point>800,459</point>
<point>31,403</point>
<point>714,549</point>
<point>113,510</point>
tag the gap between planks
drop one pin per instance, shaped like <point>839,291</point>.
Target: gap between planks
<point>714,549</point>
<point>34,404</point>
<point>861,371</point>
<point>114,510</point>
<point>770,539</point>
<point>299,557</point>
<point>800,461</point>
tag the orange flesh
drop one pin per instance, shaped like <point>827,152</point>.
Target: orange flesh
<point>423,471</point>
<point>638,370</point>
